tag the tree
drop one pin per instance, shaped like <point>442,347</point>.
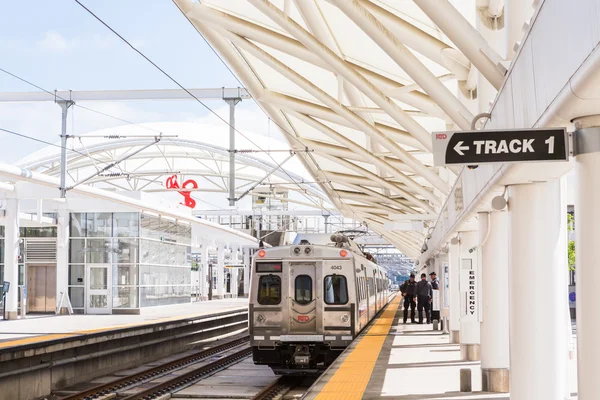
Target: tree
<point>571,243</point>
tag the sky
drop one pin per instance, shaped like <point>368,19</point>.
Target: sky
<point>57,45</point>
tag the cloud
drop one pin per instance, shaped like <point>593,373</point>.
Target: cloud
<point>55,42</point>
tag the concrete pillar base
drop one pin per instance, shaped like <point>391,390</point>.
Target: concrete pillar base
<point>470,352</point>
<point>495,380</point>
<point>455,337</point>
<point>10,315</point>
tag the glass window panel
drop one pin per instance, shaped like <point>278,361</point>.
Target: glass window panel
<point>21,273</point>
<point>126,224</point>
<point>98,278</point>
<point>78,224</point>
<point>99,224</point>
<point>48,231</point>
<point>303,285</point>
<point>127,274</point>
<point>99,251</point>
<point>168,229</point>
<point>76,296</point>
<point>76,275</point>
<point>77,251</point>
<point>150,226</point>
<point>184,233</point>
<point>336,289</point>
<point>269,290</point>
<point>98,301</point>
<point>126,250</point>
<point>146,277</point>
<point>149,252</point>
<point>125,297</point>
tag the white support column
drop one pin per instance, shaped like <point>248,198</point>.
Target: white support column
<point>537,261</point>
<point>220,272</point>
<point>469,292</point>
<point>247,268</point>
<point>587,233</point>
<point>454,295</point>
<point>11,255</point>
<point>62,254</point>
<point>495,363</point>
<point>234,272</point>
<point>205,279</point>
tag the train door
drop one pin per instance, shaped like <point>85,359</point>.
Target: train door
<point>368,295</point>
<point>302,300</point>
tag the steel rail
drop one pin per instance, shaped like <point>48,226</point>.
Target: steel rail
<point>128,381</point>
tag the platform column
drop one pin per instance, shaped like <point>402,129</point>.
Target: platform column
<point>537,261</point>
<point>454,294</point>
<point>11,257</point>
<point>587,231</point>
<point>220,272</point>
<point>62,255</point>
<point>469,291</point>
<point>247,267</point>
<point>493,239</point>
<point>234,272</point>
<point>205,279</point>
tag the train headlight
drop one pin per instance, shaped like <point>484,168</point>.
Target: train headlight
<point>345,318</point>
<point>297,250</point>
<point>260,318</point>
<point>307,250</point>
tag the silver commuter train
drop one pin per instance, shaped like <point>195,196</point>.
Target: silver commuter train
<point>308,302</point>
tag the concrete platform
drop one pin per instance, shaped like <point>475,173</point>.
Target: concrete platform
<point>407,361</point>
<point>48,327</point>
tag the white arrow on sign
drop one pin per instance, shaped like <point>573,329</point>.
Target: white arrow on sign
<point>459,148</point>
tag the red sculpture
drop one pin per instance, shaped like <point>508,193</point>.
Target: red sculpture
<point>187,195</point>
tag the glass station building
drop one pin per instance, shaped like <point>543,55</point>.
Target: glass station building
<point>137,259</point>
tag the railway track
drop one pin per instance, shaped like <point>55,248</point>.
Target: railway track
<point>182,381</point>
<point>110,390</point>
<point>278,389</point>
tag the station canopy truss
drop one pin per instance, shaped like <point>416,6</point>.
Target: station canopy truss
<point>190,151</point>
<point>362,83</point>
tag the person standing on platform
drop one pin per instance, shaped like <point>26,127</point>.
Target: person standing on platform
<point>435,285</point>
<point>409,292</point>
<point>424,298</point>
<point>435,282</point>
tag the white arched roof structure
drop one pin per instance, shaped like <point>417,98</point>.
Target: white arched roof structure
<point>364,83</point>
<point>198,152</point>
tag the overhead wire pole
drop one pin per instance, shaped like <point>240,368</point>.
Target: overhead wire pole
<point>232,101</point>
<point>64,104</point>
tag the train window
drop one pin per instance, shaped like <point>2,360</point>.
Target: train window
<point>303,285</point>
<point>269,290</point>
<point>360,289</point>
<point>336,289</point>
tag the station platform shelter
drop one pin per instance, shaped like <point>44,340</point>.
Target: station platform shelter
<point>381,90</point>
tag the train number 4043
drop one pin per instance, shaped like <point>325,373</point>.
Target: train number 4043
<point>336,267</point>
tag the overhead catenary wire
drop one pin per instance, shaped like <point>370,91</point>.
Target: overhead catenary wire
<point>301,190</point>
<point>56,96</point>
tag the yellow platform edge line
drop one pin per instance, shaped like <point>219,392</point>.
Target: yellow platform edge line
<point>366,352</point>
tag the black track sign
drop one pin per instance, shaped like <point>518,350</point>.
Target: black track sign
<point>502,146</point>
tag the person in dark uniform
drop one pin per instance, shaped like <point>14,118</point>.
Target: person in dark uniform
<point>424,298</point>
<point>409,292</point>
<point>435,285</point>
<point>435,282</point>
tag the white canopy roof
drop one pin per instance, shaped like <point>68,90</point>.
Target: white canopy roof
<point>362,83</point>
